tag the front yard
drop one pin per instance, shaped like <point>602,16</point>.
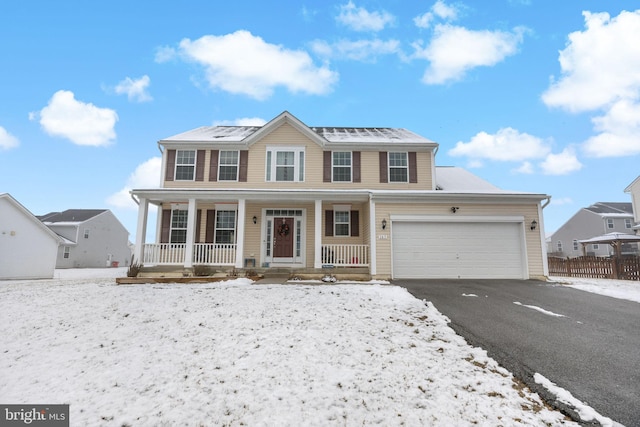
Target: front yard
<point>232,353</point>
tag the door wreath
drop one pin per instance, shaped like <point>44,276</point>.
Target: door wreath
<point>283,230</point>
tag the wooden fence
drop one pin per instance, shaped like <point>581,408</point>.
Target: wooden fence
<point>624,268</point>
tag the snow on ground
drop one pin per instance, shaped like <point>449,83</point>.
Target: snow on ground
<point>235,353</point>
<point>621,289</point>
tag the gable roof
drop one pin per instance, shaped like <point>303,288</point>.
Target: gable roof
<point>628,189</point>
<point>611,208</point>
<point>32,217</point>
<point>321,135</point>
<point>71,216</point>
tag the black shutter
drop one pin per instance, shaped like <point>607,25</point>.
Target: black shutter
<point>326,174</point>
<point>355,223</point>
<point>384,175</point>
<point>328,223</point>
<point>356,166</point>
<point>413,168</point>
<point>211,225</point>
<point>200,165</point>
<point>244,164</point>
<point>166,226</point>
<point>171,165</point>
<point>213,166</point>
<point>198,220</point>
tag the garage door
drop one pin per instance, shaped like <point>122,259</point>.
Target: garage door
<point>467,250</point>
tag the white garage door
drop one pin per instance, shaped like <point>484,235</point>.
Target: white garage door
<point>466,250</point>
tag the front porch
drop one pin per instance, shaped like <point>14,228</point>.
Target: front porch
<point>232,235</point>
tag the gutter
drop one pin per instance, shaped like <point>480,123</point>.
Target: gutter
<point>548,198</point>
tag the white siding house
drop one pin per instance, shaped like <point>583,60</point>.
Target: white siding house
<point>27,247</point>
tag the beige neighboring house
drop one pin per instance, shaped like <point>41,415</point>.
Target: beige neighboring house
<point>27,247</point>
<point>634,190</point>
<point>304,199</point>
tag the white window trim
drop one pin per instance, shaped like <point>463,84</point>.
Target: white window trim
<point>342,208</point>
<point>610,224</point>
<point>228,208</point>
<point>576,246</point>
<point>237,165</point>
<point>172,228</point>
<point>66,253</point>
<point>333,166</point>
<point>86,233</point>
<point>627,223</point>
<point>195,161</point>
<point>406,153</point>
<point>298,167</point>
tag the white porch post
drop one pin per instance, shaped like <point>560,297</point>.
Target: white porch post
<point>372,237</point>
<point>317,240</point>
<point>141,230</point>
<point>240,231</point>
<point>191,233</point>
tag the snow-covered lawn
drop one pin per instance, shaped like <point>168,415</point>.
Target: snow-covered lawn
<point>621,289</point>
<point>235,353</point>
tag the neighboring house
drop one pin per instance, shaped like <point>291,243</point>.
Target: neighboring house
<point>27,248</point>
<point>305,199</point>
<point>634,190</point>
<point>596,220</point>
<point>93,238</point>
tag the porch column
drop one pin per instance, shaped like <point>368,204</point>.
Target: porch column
<point>240,231</point>
<point>372,237</point>
<point>191,233</point>
<point>317,240</point>
<point>141,230</point>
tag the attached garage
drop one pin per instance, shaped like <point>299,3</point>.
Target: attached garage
<point>467,249</point>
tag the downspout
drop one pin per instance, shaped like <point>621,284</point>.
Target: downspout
<point>548,199</point>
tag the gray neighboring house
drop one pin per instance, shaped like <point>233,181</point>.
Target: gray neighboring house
<point>596,220</point>
<point>93,238</point>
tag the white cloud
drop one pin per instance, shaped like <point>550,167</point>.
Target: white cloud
<point>525,168</point>
<point>454,50</point>
<point>165,54</point>
<point>507,144</point>
<point>81,123</point>
<point>136,90</point>
<point>599,65</point>
<point>563,163</point>
<point>358,50</point>
<point>7,141</point>
<point>146,175</point>
<point>439,10</point>
<point>360,19</point>
<point>561,201</point>
<point>244,121</point>
<point>619,131</point>
<point>242,63</point>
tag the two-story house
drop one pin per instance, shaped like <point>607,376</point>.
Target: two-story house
<point>634,190</point>
<point>286,195</point>
<point>92,238</point>
<point>596,220</point>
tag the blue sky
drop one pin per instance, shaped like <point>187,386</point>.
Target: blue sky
<point>531,95</point>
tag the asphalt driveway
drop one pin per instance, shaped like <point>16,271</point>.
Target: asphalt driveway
<point>585,343</point>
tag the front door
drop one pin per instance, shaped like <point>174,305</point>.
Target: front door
<point>283,239</point>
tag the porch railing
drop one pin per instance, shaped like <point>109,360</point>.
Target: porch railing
<point>345,255</point>
<point>203,253</point>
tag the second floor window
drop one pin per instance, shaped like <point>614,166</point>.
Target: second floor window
<point>609,223</point>
<point>228,166</point>
<point>341,166</point>
<point>285,164</point>
<point>185,165</point>
<point>575,245</point>
<point>559,246</point>
<point>67,252</point>
<point>398,167</point>
<point>627,223</point>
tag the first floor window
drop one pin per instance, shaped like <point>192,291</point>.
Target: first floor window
<point>185,165</point>
<point>341,223</point>
<point>67,252</point>
<point>575,245</point>
<point>225,227</point>
<point>559,246</point>
<point>178,226</point>
<point>398,167</point>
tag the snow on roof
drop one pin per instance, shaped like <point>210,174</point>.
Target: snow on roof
<point>453,178</point>
<point>385,135</point>
<point>70,216</point>
<point>215,133</point>
<point>331,134</point>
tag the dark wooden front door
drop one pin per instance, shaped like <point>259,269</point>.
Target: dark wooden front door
<point>283,237</point>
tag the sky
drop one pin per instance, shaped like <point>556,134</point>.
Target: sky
<point>530,95</point>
